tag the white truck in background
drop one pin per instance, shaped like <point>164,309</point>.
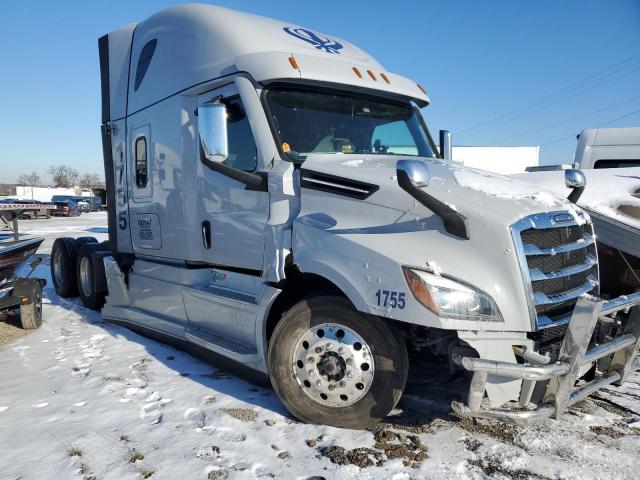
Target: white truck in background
<point>275,197</point>
<point>608,148</point>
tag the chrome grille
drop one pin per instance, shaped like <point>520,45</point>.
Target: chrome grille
<point>558,261</point>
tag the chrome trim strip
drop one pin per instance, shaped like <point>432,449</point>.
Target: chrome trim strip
<point>596,353</point>
<point>339,186</point>
<point>540,298</point>
<point>537,274</point>
<point>516,417</point>
<point>514,370</point>
<point>620,303</point>
<point>585,241</point>
<point>544,321</point>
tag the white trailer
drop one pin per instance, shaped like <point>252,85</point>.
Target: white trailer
<point>276,198</point>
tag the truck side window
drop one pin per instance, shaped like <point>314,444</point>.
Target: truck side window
<point>243,154</point>
<point>141,162</point>
<point>616,163</point>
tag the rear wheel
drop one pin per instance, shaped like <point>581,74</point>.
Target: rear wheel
<point>89,270</point>
<point>64,255</point>
<point>82,240</point>
<point>332,365</point>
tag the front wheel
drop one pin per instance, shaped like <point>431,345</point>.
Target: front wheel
<point>329,364</point>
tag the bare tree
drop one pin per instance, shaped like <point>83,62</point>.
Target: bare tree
<point>32,180</point>
<point>91,180</point>
<point>63,176</point>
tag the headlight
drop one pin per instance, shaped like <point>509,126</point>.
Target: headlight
<point>449,299</point>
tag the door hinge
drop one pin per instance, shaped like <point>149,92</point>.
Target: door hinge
<point>110,128</point>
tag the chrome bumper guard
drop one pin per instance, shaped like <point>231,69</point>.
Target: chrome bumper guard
<point>562,375</point>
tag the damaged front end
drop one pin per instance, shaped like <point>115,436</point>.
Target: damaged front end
<point>612,358</point>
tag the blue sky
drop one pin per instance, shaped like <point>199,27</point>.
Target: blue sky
<point>555,67</point>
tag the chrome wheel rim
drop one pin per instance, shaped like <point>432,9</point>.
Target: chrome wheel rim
<point>333,365</point>
<point>57,267</point>
<point>85,279</point>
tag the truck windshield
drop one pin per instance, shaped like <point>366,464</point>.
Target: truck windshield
<point>327,122</point>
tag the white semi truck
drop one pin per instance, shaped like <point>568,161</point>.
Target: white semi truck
<point>276,198</point>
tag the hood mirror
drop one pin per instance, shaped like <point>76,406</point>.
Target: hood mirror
<point>212,127</point>
<point>576,181</point>
<point>417,171</point>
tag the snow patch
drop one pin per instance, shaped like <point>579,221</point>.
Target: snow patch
<point>435,268</point>
<point>352,163</point>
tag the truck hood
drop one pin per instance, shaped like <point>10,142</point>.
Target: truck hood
<point>338,236</point>
<point>469,191</point>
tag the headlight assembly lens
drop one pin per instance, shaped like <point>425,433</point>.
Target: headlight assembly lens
<point>450,299</point>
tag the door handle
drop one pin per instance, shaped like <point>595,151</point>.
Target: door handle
<point>206,234</point>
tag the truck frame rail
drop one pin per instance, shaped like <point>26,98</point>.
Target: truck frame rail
<point>562,376</point>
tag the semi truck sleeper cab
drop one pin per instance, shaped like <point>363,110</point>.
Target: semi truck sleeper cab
<point>275,197</point>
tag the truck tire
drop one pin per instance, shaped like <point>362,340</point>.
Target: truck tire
<point>31,313</point>
<point>64,255</point>
<point>330,364</point>
<point>89,273</point>
<point>82,240</point>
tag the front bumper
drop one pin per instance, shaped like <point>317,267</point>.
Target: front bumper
<point>561,376</point>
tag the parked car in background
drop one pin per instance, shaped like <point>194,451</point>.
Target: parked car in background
<point>94,203</point>
<point>66,208</point>
<point>84,206</point>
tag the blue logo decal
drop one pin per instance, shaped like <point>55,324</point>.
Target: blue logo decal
<point>319,41</point>
<point>562,218</point>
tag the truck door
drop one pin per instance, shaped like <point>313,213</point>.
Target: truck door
<point>232,215</point>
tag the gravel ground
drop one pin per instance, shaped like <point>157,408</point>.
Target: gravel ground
<point>10,329</point>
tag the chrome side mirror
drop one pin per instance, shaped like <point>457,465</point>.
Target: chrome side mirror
<point>212,128</point>
<point>576,181</point>
<point>446,148</point>
<point>417,171</point>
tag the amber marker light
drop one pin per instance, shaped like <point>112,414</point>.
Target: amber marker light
<point>385,78</point>
<point>421,89</point>
<point>372,75</point>
<point>294,63</point>
<point>419,289</point>
<point>357,72</point>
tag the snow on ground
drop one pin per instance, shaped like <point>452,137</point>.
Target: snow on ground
<point>84,399</point>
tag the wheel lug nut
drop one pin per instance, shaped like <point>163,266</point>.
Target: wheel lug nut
<point>349,361</point>
<point>343,384</point>
<point>341,350</point>
<point>328,346</point>
<point>318,383</point>
<point>310,360</point>
<point>318,350</point>
<point>310,372</point>
<point>349,374</point>
<point>331,387</point>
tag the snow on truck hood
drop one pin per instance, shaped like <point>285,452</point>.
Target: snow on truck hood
<point>613,192</point>
<point>469,191</point>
